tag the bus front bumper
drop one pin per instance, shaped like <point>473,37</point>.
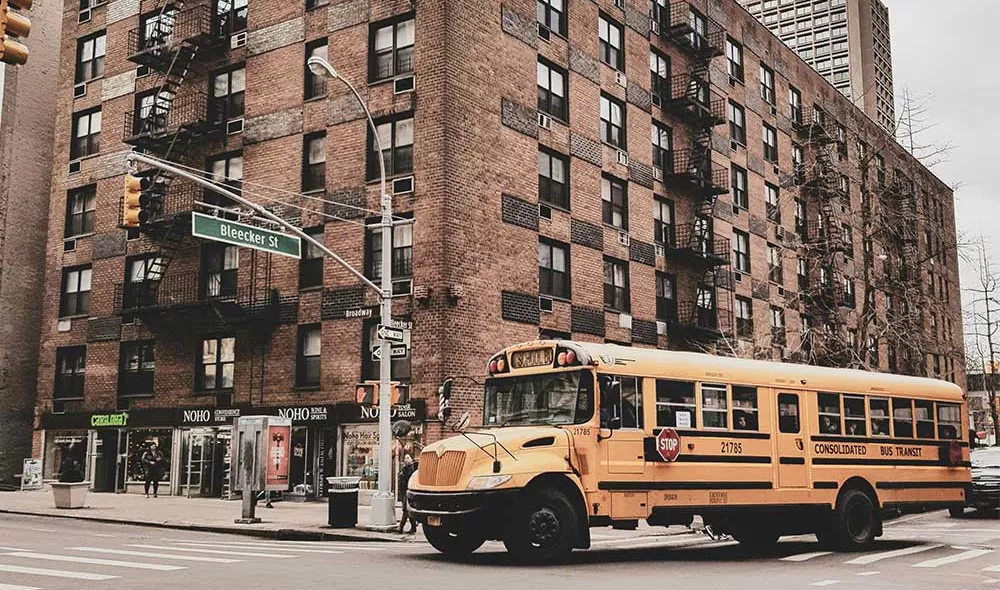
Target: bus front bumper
<point>457,510</point>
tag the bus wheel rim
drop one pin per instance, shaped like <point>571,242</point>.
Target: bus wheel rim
<point>543,527</point>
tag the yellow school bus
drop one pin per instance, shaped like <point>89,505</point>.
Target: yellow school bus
<point>579,435</point>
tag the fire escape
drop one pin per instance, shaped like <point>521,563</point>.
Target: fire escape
<point>706,314</point>
<point>822,289</point>
<point>900,281</point>
<point>176,120</point>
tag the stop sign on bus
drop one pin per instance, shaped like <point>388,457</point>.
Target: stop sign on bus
<point>668,444</point>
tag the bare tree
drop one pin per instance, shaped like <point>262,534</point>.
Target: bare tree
<point>984,325</point>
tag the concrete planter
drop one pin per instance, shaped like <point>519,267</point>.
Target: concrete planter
<point>70,495</point>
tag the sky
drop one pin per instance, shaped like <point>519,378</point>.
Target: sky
<point>942,52</point>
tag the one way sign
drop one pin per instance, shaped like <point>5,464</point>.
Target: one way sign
<point>399,351</point>
<point>391,334</point>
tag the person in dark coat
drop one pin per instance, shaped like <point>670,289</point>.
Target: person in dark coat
<point>408,469</point>
<point>152,462</point>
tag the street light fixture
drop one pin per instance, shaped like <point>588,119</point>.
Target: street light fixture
<point>383,514</point>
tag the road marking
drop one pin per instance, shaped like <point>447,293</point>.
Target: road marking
<point>991,581</point>
<point>105,535</point>
<point>156,555</point>
<point>13,549</point>
<point>281,545</point>
<point>692,543</point>
<point>94,561</point>
<point>43,530</point>
<point>868,573</point>
<point>233,546</point>
<point>866,559</point>
<point>35,571</point>
<point>970,554</point>
<point>686,537</point>
<point>217,552</point>
<point>932,529</point>
<point>359,546</point>
<point>806,556</point>
<point>10,587</point>
<point>825,583</point>
<point>899,521</point>
<point>994,568</point>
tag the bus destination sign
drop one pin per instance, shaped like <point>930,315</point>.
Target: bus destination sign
<point>536,357</point>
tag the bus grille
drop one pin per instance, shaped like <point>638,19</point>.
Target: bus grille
<point>443,471</point>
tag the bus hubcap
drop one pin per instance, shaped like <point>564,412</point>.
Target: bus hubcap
<point>543,525</point>
<point>858,524</point>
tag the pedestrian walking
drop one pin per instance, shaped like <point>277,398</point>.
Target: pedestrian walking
<point>408,469</point>
<point>152,461</point>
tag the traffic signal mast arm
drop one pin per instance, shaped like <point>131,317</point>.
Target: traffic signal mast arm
<point>136,157</point>
<point>13,25</point>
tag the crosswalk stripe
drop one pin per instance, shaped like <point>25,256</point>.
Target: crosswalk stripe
<point>282,545</point>
<point>233,546</point>
<point>866,559</point>
<point>215,551</point>
<point>825,583</point>
<point>868,573</point>
<point>94,561</point>
<point>806,556</point>
<point>994,568</point>
<point>156,555</point>
<point>970,554</point>
<point>12,587</point>
<point>358,546</point>
<point>35,571</point>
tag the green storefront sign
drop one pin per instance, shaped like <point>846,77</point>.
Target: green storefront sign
<point>119,420</point>
<point>248,236</point>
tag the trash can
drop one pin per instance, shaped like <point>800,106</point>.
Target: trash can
<point>343,502</point>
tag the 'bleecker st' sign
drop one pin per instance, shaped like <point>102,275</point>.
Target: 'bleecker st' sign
<point>248,236</point>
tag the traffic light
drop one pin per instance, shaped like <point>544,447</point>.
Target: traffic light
<point>143,199</point>
<point>13,25</point>
<point>131,206</point>
<point>444,400</point>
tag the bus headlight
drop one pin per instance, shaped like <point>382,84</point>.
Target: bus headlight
<point>487,482</point>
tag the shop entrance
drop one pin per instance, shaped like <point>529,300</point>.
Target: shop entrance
<point>205,462</point>
<point>107,460</point>
<point>301,463</point>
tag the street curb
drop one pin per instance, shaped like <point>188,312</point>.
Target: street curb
<point>286,534</point>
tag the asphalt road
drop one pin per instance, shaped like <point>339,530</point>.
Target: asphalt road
<point>924,551</point>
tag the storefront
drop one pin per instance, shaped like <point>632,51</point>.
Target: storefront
<point>204,466</point>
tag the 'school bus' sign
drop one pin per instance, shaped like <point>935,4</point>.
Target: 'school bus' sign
<point>248,236</point>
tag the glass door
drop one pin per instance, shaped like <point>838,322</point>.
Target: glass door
<point>199,463</point>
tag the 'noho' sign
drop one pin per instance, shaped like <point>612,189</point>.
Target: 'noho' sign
<point>668,444</point>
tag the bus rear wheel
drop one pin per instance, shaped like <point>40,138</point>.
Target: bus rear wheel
<point>543,529</point>
<point>453,542</point>
<point>855,522</point>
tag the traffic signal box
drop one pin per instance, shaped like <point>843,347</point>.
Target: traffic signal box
<point>143,200</point>
<point>13,26</point>
<point>367,393</point>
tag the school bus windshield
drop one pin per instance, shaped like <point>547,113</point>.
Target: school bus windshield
<point>550,398</point>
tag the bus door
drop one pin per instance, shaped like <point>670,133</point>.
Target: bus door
<point>621,414</point>
<point>790,442</point>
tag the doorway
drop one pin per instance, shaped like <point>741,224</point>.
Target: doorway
<point>105,460</point>
<point>792,472</point>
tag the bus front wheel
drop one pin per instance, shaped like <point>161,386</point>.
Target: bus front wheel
<point>543,528</point>
<point>855,522</point>
<point>453,542</point>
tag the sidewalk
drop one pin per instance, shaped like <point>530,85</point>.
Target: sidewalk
<point>287,520</point>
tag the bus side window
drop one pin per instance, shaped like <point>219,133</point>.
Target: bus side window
<point>621,402</point>
<point>854,416</point>
<point>829,413</point>
<point>675,404</point>
<point>923,414</point>
<point>631,402</point>
<point>902,418</point>
<point>878,409</point>
<point>949,420</point>
<point>788,413</point>
<point>744,408</point>
<point>714,410</point>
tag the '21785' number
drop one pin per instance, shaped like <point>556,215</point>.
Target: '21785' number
<point>732,448</point>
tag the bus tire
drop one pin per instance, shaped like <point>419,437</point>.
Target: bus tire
<point>957,511</point>
<point>544,528</point>
<point>454,543</point>
<point>855,521</point>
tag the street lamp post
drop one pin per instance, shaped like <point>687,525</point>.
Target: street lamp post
<point>383,514</point>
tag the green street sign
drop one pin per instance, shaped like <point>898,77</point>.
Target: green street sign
<point>248,236</point>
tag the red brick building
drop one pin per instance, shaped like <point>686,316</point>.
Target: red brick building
<point>522,151</point>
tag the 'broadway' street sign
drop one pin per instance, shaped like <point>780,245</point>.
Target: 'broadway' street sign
<point>248,236</point>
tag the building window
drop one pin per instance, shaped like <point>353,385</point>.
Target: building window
<point>666,297</point>
<point>611,43</point>
<point>220,265</point>
<point>392,49</point>
<point>778,319</point>
<point>231,15</point>
<point>773,209</point>
<point>228,91</point>
<point>663,221</point>
<point>612,121</point>
<point>767,84</point>
<point>141,272</point>
<point>795,104</point>
<point>310,4</point>
<point>311,263</point>
<point>156,27</point>
<point>850,294</point>
<point>800,218</point>
<point>734,55</point>
<point>216,364</point>
<point>662,146</point>
<point>90,57</point>
<point>698,36</point>
<point>614,197</point>
<point>739,181</point>
<point>314,162</point>
<point>770,137</point>
<point>552,14</point>
<point>659,74</point>
<point>152,110</point>
<point>744,317</point>
<point>80,211</point>
<point>741,250</point>
<point>396,138</point>
<point>552,90</point>
<point>307,357</point>
<point>553,178</point>
<point>616,290</point>
<point>71,366</point>
<point>315,84</point>
<point>135,373</point>
<point>737,123</point>
<point>228,170</point>
<point>86,134</point>
<point>402,256</point>
<point>553,269</point>
<point>775,268</point>
<point>75,300</point>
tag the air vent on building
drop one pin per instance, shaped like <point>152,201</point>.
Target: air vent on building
<point>654,27</point>
<point>620,79</point>
<point>235,126</point>
<point>622,158</point>
<point>64,325</point>
<point>544,121</point>
<point>732,81</point>
<point>736,209</point>
<point>74,166</point>
<point>777,170</point>
<point>84,16</point>
<point>623,238</point>
<point>655,99</point>
<point>774,111</point>
<point>402,287</point>
<point>543,32</point>
<point>402,186</point>
<point>544,211</point>
<point>657,174</point>
<point>69,245</point>
<point>659,250</point>
<point>738,276</point>
<point>141,71</point>
<point>545,304</point>
<point>781,291</point>
<point>80,90</point>
<point>238,40</point>
<point>733,145</point>
<point>661,328</point>
<point>625,321</point>
<point>620,4</point>
<point>403,85</point>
